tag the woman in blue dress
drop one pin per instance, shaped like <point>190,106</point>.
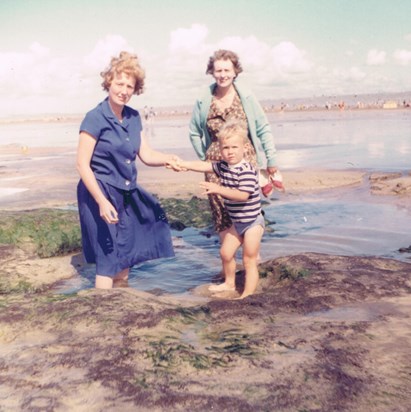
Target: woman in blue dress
<point>121,223</point>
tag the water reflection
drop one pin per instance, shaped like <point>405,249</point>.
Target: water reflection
<point>376,150</point>
<point>345,228</point>
<point>376,140</point>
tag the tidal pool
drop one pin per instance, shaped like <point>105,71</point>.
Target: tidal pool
<point>323,226</point>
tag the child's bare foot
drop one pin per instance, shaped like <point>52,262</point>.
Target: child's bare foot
<point>223,287</point>
<point>243,296</point>
<point>227,294</point>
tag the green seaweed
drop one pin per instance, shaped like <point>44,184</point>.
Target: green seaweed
<point>194,212</point>
<point>21,287</point>
<point>293,273</point>
<point>45,232</point>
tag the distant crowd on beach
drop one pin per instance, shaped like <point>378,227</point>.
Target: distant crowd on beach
<point>352,103</point>
<point>292,105</point>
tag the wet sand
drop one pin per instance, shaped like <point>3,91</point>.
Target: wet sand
<point>323,332</point>
<point>46,177</point>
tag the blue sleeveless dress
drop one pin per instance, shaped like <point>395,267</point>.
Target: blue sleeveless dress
<point>143,232</point>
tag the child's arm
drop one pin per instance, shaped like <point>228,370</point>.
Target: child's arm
<point>226,192</point>
<point>196,165</point>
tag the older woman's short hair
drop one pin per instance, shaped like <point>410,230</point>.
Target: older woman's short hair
<point>125,63</point>
<point>224,55</point>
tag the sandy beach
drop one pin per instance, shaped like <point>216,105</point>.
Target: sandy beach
<point>323,332</point>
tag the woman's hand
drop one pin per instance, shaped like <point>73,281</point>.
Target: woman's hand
<point>107,212</point>
<point>271,170</point>
<point>174,162</point>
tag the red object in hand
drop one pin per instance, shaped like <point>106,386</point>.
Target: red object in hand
<point>267,189</point>
<point>275,181</point>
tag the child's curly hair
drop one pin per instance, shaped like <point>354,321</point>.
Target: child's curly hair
<point>233,128</point>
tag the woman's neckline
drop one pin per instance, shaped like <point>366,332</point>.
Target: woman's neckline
<point>118,117</point>
<point>226,100</point>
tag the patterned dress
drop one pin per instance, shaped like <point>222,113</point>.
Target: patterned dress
<point>215,120</point>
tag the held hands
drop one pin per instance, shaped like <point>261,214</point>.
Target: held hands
<point>174,162</point>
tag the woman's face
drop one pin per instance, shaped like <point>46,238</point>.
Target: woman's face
<point>121,89</point>
<point>224,73</point>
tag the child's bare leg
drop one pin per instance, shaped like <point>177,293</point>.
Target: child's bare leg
<point>222,235</point>
<point>251,249</point>
<point>232,241</point>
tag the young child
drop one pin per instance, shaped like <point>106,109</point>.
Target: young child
<point>240,191</point>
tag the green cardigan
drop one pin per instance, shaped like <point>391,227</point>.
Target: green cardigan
<point>258,126</point>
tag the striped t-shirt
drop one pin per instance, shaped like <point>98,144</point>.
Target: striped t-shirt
<point>241,176</point>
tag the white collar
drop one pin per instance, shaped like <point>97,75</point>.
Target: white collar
<point>237,164</point>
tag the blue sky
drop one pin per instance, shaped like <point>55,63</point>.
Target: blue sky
<point>51,52</point>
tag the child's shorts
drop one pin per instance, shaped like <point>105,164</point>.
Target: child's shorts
<point>241,228</point>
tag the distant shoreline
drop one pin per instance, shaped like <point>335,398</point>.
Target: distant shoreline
<point>395,101</point>
<point>181,113</point>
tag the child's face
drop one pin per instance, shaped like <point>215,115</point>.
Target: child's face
<point>232,149</point>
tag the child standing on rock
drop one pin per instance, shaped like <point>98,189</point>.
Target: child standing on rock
<point>241,193</point>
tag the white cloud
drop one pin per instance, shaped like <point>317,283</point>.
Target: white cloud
<point>288,58</point>
<point>39,50</point>
<point>259,57</point>
<point>263,64</point>
<point>188,40</point>
<point>403,57</point>
<point>186,59</point>
<point>38,79</point>
<point>351,74</point>
<point>376,57</point>
<point>103,51</point>
<point>337,81</point>
<point>174,78</point>
<point>35,71</point>
<point>408,37</point>
<point>252,52</point>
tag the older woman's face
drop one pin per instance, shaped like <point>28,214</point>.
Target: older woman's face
<point>224,73</point>
<point>121,89</point>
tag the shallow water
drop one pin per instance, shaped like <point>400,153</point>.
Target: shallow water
<point>369,140</point>
<point>378,140</point>
<point>39,134</point>
<point>343,227</point>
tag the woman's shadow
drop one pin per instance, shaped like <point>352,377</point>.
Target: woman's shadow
<point>83,277</point>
